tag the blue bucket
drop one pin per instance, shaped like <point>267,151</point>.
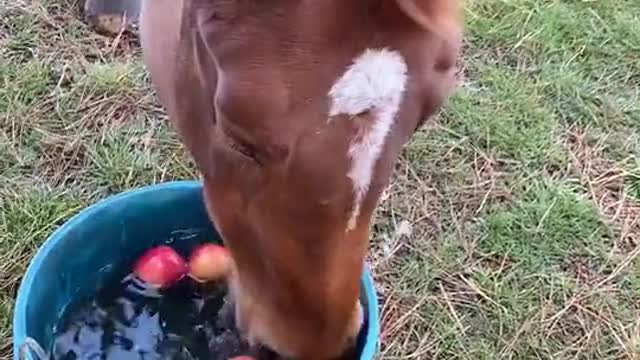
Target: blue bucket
<point>82,255</point>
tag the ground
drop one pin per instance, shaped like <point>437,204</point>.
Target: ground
<point>512,226</point>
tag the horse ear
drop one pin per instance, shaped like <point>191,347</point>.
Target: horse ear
<point>443,17</point>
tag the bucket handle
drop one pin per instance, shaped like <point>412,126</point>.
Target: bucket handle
<point>31,344</point>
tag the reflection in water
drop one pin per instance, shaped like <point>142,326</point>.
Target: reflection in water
<point>131,320</point>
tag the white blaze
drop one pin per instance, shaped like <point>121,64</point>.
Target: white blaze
<point>375,82</point>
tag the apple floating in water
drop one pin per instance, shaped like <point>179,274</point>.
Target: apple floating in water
<point>209,262</point>
<point>161,266</point>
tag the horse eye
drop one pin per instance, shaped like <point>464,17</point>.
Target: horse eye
<point>247,151</point>
<point>243,148</point>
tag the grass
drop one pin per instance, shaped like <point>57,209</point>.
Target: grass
<point>511,228</point>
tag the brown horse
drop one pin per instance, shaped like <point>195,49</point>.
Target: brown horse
<point>295,112</point>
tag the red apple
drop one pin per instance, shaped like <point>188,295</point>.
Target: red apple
<point>209,262</point>
<point>160,266</point>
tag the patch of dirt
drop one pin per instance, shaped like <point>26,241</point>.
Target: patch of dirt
<point>63,158</point>
<point>497,262</point>
<point>457,290</point>
<point>605,183</point>
<point>583,269</point>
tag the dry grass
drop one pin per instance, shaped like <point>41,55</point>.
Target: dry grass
<point>510,230</point>
<point>606,183</point>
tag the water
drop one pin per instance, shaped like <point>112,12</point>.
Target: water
<point>130,320</point>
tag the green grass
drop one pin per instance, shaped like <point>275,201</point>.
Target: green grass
<point>28,214</point>
<point>497,238</point>
<point>545,224</point>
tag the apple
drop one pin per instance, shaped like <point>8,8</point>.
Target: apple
<point>160,266</point>
<point>209,262</point>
